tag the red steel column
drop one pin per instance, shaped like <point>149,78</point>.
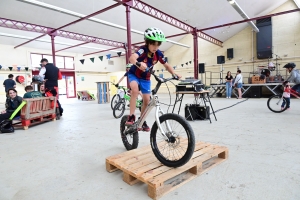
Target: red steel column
<point>53,49</point>
<point>195,36</point>
<point>128,52</point>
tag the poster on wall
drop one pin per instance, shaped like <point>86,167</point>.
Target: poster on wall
<point>82,78</point>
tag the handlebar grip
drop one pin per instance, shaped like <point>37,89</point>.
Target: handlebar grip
<point>175,76</point>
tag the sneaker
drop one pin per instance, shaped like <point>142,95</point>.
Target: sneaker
<point>282,108</point>
<point>145,127</point>
<point>288,109</point>
<point>130,120</point>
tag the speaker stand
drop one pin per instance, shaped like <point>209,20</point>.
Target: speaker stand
<point>221,74</point>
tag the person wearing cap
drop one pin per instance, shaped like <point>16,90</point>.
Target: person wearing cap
<point>294,77</point>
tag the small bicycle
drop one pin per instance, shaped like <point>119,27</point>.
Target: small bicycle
<point>119,107</point>
<point>172,138</point>
<point>275,102</point>
<point>117,97</point>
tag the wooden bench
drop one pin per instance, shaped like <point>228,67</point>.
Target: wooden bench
<point>35,111</point>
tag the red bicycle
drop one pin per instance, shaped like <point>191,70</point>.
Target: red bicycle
<point>277,103</point>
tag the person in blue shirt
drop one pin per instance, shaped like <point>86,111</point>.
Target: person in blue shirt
<point>143,63</point>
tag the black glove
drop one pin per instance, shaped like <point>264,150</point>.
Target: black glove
<point>117,85</point>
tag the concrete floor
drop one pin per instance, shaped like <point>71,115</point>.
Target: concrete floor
<point>66,159</point>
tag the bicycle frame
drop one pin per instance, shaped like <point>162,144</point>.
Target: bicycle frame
<point>154,102</point>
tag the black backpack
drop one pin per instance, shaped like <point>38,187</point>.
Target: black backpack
<point>6,126</point>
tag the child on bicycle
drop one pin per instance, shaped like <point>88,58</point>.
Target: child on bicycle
<point>139,74</point>
<point>294,77</point>
<point>286,95</point>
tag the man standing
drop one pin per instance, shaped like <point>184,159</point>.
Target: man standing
<point>51,74</point>
<point>9,83</point>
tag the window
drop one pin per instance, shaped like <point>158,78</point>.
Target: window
<point>49,58</point>
<point>69,63</point>
<point>62,62</point>
<point>36,60</point>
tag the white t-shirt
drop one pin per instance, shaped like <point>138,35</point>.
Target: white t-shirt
<point>238,79</point>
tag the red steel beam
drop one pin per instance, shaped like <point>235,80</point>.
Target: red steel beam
<point>176,35</point>
<point>71,23</point>
<point>13,24</point>
<point>251,19</point>
<point>72,46</point>
<point>103,51</point>
<point>153,12</point>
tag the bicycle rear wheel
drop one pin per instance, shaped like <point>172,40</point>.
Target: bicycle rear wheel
<point>115,99</point>
<point>119,109</point>
<point>129,139</point>
<point>275,102</point>
<point>179,148</point>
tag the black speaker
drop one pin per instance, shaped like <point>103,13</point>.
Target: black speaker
<point>195,111</point>
<point>201,68</point>
<point>264,38</point>
<point>220,59</point>
<point>254,92</point>
<point>230,53</point>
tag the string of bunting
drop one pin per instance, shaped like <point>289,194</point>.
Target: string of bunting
<point>108,56</point>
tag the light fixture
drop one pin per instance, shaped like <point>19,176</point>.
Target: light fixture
<point>236,6</point>
<point>69,12</point>
<point>48,41</point>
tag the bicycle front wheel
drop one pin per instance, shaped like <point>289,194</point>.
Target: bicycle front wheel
<point>178,149</point>
<point>119,109</point>
<point>115,99</point>
<point>275,103</point>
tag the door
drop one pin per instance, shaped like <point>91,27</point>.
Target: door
<point>70,86</point>
<point>113,89</point>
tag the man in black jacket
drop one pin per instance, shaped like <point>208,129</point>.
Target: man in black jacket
<point>51,75</point>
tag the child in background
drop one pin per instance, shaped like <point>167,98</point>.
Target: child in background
<point>286,95</point>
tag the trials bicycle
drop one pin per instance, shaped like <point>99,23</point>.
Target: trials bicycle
<point>278,104</point>
<point>172,138</point>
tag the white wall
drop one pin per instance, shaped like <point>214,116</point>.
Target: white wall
<point>92,72</point>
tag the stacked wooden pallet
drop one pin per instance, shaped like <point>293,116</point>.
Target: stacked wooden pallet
<point>141,165</point>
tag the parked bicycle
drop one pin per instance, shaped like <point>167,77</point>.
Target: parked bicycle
<point>117,97</point>
<point>172,138</point>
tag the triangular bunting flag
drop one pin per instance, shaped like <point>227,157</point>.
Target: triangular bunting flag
<point>108,56</point>
<point>182,65</point>
<point>92,59</point>
<point>186,63</point>
<point>162,70</point>
<point>190,62</point>
<point>174,67</point>
<point>119,53</point>
<point>101,58</point>
<point>82,61</point>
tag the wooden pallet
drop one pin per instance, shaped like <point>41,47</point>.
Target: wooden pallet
<point>141,165</point>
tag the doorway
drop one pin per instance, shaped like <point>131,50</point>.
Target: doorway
<point>66,86</point>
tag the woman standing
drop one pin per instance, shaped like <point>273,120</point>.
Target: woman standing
<point>239,83</point>
<point>228,84</point>
<point>12,103</point>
